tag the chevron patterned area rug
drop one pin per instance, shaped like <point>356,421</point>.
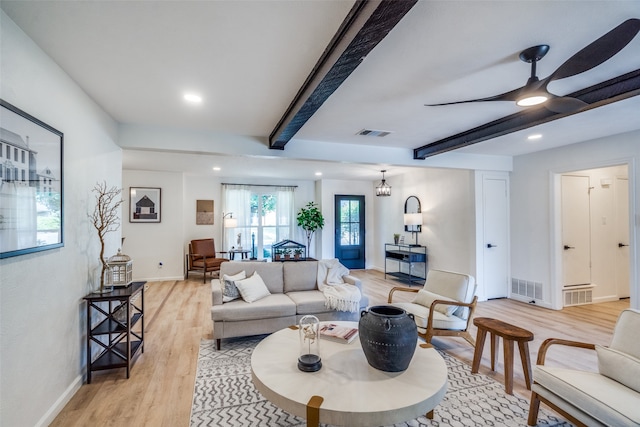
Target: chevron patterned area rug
<point>224,395</point>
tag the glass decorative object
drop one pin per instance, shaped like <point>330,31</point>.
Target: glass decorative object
<point>121,269</point>
<point>309,359</point>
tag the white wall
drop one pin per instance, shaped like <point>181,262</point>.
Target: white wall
<point>447,200</point>
<point>535,234</point>
<point>148,244</point>
<point>42,314</point>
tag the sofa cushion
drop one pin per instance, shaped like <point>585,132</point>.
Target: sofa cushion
<point>440,321</point>
<point>602,398</point>
<point>309,302</point>
<point>619,366</point>
<point>275,305</point>
<point>271,272</point>
<point>230,291</point>
<point>426,298</point>
<point>252,288</point>
<point>300,276</point>
<point>459,287</point>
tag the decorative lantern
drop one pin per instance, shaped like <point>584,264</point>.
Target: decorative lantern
<point>309,360</point>
<point>121,269</point>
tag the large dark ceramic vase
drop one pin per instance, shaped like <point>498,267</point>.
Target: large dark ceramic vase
<point>388,336</point>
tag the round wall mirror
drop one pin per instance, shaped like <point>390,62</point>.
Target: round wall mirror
<point>412,206</point>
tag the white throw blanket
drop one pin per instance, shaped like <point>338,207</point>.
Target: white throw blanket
<point>338,295</point>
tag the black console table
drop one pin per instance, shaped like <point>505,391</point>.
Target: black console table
<point>119,331</point>
<point>401,254</point>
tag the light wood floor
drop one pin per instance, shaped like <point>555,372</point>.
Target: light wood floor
<point>177,317</point>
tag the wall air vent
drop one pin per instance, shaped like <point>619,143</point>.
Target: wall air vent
<point>372,132</point>
<point>578,295</point>
<point>526,288</point>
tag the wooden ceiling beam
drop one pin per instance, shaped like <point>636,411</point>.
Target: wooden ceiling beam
<point>368,22</point>
<point>616,89</point>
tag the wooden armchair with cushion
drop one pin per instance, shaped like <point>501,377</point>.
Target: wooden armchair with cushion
<point>202,257</point>
<point>609,397</point>
<point>443,307</point>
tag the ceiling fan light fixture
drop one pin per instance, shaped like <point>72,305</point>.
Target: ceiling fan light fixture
<point>532,99</point>
<point>383,189</point>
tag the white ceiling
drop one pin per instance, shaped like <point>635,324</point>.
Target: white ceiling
<point>249,58</point>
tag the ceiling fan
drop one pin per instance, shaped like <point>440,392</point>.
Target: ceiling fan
<point>535,92</point>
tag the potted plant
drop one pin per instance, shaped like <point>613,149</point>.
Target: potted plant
<point>396,238</point>
<point>297,252</point>
<point>287,253</point>
<point>105,219</point>
<point>310,219</point>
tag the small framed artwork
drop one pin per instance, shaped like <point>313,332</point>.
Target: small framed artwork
<point>204,212</point>
<point>31,184</point>
<point>144,204</point>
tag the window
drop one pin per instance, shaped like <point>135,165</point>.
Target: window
<point>15,154</point>
<point>22,156</point>
<point>264,215</point>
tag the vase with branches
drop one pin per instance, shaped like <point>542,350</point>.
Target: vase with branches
<point>310,219</point>
<point>105,218</point>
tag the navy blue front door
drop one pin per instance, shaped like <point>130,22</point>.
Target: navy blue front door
<point>349,232</point>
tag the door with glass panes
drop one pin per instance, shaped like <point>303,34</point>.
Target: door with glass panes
<point>349,232</point>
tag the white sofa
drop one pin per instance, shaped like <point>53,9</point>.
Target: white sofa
<point>609,397</point>
<point>294,293</point>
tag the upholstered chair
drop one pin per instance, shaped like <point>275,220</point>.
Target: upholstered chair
<point>609,396</point>
<point>202,257</point>
<point>443,307</point>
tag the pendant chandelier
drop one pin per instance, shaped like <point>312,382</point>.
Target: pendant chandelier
<point>383,189</point>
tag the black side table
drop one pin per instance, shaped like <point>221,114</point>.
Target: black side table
<point>119,333</point>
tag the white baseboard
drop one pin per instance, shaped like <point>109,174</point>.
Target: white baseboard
<point>538,303</point>
<point>59,404</point>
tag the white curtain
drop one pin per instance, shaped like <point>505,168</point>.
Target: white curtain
<point>238,200</point>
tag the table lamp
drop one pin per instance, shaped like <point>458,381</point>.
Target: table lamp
<point>413,220</point>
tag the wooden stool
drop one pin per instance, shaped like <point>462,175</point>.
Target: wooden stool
<point>509,334</point>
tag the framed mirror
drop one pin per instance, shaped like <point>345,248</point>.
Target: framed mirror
<point>412,206</point>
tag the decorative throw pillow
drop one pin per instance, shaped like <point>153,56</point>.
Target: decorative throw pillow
<point>252,288</point>
<point>619,366</point>
<point>334,274</point>
<point>426,298</point>
<point>230,292</point>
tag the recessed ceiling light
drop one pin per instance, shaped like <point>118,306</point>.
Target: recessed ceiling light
<point>216,168</point>
<point>192,97</point>
<point>318,173</point>
<point>534,136</point>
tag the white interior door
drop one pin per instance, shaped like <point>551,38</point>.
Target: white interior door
<point>496,238</point>
<point>576,235</point>
<point>622,234</point>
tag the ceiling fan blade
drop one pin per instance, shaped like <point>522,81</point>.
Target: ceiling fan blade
<point>564,104</point>
<point>599,51</point>
<point>507,96</point>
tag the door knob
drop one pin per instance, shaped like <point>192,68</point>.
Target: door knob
<point>566,247</point>
<point>489,245</point>
<point>622,245</point>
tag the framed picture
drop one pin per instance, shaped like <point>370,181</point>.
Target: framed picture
<point>144,204</point>
<point>31,184</point>
<point>204,212</point>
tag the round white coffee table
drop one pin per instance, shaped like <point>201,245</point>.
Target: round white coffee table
<point>353,393</point>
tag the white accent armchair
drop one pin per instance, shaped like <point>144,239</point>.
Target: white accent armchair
<point>610,397</point>
<point>443,307</point>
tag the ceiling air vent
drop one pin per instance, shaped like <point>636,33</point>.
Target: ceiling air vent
<point>372,132</point>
